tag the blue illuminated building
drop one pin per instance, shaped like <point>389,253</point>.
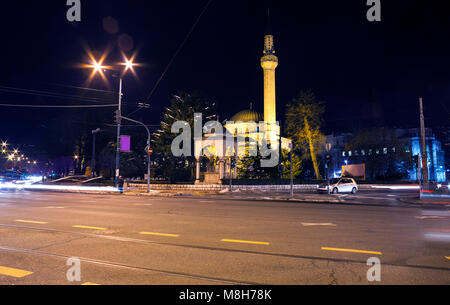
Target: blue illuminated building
<point>388,154</point>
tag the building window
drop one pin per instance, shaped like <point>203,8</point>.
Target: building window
<point>356,153</point>
<point>343,154</point>
<point>393,149</point>
<point>377,151</point>
<point>385,151</point>
<point>370,152</point>
<point>363,153</point>
<point>350,153</point>
<point>407,149</point>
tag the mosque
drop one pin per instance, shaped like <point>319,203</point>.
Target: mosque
<point>243,125</point>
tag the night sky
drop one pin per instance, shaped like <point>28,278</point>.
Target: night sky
<point>370,74</point>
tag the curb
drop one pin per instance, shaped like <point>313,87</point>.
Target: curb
<point>425,204</point>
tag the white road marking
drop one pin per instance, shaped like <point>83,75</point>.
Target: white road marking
<point>143,204</point>
<point>310,224</point>
<point>436,213</point>
<point>429,217</point>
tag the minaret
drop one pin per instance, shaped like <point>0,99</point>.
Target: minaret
<point>269,63</point>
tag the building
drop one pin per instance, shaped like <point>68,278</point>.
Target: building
<point>387,154</point>
<point>246,125</point>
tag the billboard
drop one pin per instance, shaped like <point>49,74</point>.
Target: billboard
<point>125,143</point>
<point>357,171</point>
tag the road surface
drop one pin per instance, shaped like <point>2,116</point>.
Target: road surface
<point>208,240</point>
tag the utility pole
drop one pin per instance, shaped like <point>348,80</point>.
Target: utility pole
<point>327,164</point>
<point>94,132</point>
<point>423,144</point>
<point>231,175</point>
<point>292,174</point>
<point>118,135</point>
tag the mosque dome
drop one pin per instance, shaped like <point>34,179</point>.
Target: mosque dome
<point>247,116</point>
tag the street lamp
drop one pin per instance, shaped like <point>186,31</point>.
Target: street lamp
<point>98,67</point>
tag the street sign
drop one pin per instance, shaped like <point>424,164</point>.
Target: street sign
<point>149,150</point>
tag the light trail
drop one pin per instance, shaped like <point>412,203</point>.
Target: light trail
<point>57,187</point>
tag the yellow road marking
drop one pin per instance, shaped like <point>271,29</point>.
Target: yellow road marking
<point>351,250</point>
<point>89,283</point>
<point>31,221</point>
<point>88,227</point>
<point>14,272</point>
<point>245,242</point>
<point>310,224</point>
<point>159,234</point>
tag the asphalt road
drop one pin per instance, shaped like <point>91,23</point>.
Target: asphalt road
<point>205,240</point>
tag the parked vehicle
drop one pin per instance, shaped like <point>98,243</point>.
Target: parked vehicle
<point>339,185</point>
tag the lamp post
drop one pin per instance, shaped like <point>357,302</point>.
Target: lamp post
<point>98,67</point>
<point>291,146</point>
<point>118,135</point>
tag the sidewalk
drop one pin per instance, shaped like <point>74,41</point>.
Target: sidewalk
<point>428,203</point>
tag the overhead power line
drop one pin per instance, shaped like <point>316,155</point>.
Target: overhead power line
<point>175,55</point>
<point>59,106</point>
<point>49,94</point>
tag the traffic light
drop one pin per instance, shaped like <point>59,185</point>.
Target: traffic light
<point>117,116</point>
<point>415,159</point>
<point>328,159</point>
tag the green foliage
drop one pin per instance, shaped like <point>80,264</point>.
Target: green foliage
<point>182,108</point>
<point>304,120</point>
<point>296,165</point>
<point>250,168</point>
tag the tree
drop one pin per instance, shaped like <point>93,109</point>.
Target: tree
<point>303,124</point>
<point>250,167</point>
<point>182,108</point>
<point>296,165</point>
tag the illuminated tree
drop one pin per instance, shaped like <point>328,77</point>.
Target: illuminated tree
<point>303,124</point>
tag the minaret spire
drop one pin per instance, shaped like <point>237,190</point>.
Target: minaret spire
<point>269,25</point>
<point>269,63</point>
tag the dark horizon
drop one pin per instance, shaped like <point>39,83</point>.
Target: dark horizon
<point>370,74</point>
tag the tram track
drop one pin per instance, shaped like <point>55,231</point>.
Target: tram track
<point>197,247</point>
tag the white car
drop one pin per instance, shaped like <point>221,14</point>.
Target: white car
<point>339,185</point>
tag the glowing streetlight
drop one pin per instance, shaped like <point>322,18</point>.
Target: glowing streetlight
<point>128,64</point>
<point>98,67</point>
